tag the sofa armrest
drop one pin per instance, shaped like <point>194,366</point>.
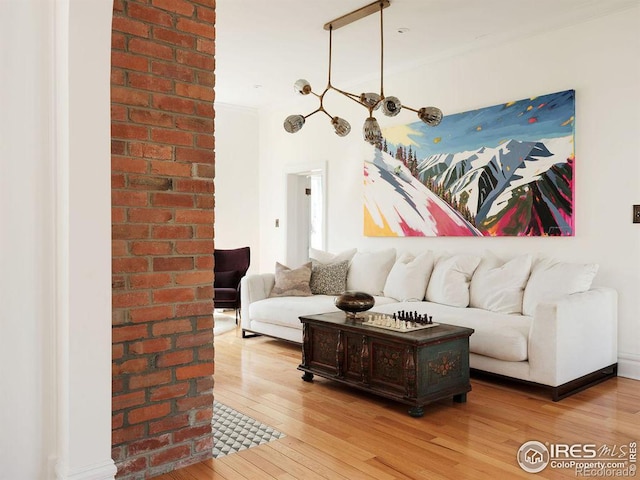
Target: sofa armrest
<point>573,336</point>
<point>253,288</point>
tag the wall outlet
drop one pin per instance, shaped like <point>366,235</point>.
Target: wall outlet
<point>636,214</point>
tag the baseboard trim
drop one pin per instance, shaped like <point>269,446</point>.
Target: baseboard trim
<point>102,471</point>
<point>629,366</point>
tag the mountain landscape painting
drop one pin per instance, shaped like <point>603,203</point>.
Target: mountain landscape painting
<point>505,170</point>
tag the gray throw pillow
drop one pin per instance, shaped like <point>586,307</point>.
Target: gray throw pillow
<point>329,279</point>
<point>292,282</point>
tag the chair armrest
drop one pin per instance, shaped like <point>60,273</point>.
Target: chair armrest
<point>573,336</point>
<point>253,288</point>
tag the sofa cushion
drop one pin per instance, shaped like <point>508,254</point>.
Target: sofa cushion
<point>409,276</point>
<point>496,335</point>
<point>292,282</point>
<point>449,282</point>
<point>551,280</point>
<point>329,279</point>
<point>369,270</point>
<point>321,256</point>
<point>498,286</point>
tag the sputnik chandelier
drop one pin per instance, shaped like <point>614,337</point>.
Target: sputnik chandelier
<point>391,106</point>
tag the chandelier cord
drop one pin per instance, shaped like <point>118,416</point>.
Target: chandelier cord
<point>381,53</point>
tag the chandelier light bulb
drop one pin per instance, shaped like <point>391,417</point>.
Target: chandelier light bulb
<point>371,131</point>
<point>293,123</point>
<point>302,87</point>
<point>391,106</point>
<point>370,100</point>
<point>432,116</point>
<point>341,126</point>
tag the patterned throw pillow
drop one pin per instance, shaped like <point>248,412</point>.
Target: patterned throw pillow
<point>329,279</point>
<point>292,282</point>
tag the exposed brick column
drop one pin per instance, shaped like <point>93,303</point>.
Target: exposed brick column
<point>162,196</point>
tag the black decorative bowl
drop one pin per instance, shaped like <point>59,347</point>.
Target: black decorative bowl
<point>353,303</point>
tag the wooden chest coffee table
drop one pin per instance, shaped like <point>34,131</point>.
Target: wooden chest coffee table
<point>414,368</point>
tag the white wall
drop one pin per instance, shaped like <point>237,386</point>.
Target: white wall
<point>599,59</point>
<point>55,236</point>
<point>236,180</point>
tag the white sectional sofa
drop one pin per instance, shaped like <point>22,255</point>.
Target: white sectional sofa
<point>535,320</point>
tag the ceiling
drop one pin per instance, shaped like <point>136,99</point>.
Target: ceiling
<point>263,47</point>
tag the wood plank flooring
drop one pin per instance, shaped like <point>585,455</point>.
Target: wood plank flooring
<point>336,432</point>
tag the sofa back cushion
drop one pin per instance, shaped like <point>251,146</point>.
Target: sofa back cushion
<point>409,276</point>
<point>292,282</point>
<point>369,270</point>
<point>498,286</point>
<point>329,279</point>
<point>322,256</point>
<point>449,282</point>
<point>551,280</point>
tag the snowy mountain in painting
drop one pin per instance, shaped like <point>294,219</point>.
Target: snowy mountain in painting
<point>517,188</point>
<point>397,204</point>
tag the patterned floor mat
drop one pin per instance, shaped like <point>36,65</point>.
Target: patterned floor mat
<point>233,431</point>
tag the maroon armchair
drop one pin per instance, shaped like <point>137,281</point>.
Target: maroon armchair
<point>228,269</point>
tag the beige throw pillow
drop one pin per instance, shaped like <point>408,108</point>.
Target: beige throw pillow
<point>292,282</point>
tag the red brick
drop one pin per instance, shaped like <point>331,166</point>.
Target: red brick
<point>126,400</point>
<point>171,359</point>
<point>126,232</point>
<point>170,423</point>
<point>194,278</point>
<point>151,49</point>
<point>127,164</point>
<point>118,282</point>
<point>150,82</point>
<point>126,25</point>
<point>149,314</point>
<point>204,231</point>
<point>173,37</point>
<point>205,323</point>
<point>170,455</point>
<point>197,60</point>
<point>150,150</point>
<point>204,263</point>
<point>118,147</point>
<point>149,14</point>
<point>117,385</point>
<point>127,198</point>
<point>177,72</point>
<point>171,168</point>
<point>117,421</point>
<point>117,78</point>
<point>150,280</point>
<point>129,131</point>
<point>172,231</point>
<point>118,41</point>
<point>127,434</point>
<point>194,216</point>
<point>194,155</point>
<point>189,403</point>
<point>148,444</point>
<point>170,391</point>
<point>154,345</point>
<point>197,28</point>
<point>148,182</point>
<point>194,124</point>
<point>205,353</point>
<point>171,200</point>
<point>117,351</point>
<point>129,299</point>
<point>206,171</point>
<point>151,117</point>
<point>150,412</point>
<point>206,78</point>
<point>137,365</point>
<point>204,415</point>
<point>118,5</point>
<point>205,110</point>
<point>191,432</point>
<point>171,327</point>
<point>205,384</point>
<point>171,136</point>
<point>150,215</point>
<point>200,308</point>
<point>124,265</point>
<point>204,445</point>
<point>178,6</point>
<point>197,92</point>
<point>150,248</point>
<point>118,317</point>
<point>118,215</point>
<point>118,112</point>
<point>126,334</point>
<point>195,186</point>
<point>204,293</point>
<point>173,295</point>
<point>206,46</point>
<point>167,264</point>
<point>194,371</point>
<point>150,380</point>
<point>173,104</point>
<point>206,15</point>
<point>131,465</point>
<point>129,62</point>
<point>206,142</point>
<point>194,340</point>
<point>128,96</point>
<point>117,181</point>
<point>195,246</point>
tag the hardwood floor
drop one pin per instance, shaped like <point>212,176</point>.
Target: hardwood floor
<point>336,432</point>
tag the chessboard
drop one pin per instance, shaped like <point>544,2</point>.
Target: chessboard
<point>399,322</point>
